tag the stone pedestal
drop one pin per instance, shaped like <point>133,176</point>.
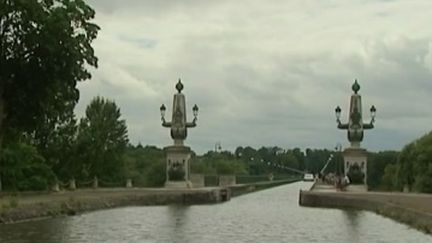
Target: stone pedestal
<point>129,183</point>
<point>178,166</point>
<point>55,187</point>
<point>72,184</point>
<point>95,183</point>
<point>356,159</point>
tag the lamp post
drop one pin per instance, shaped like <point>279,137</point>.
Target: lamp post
<point>178,155</point>
<point>218,147</point>
<point>179,125</point>
<point>355,158</point>
<point>355,125</point>
<point>338,150</point>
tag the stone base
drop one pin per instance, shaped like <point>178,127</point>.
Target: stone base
<point>129,183</point>
<point>177,159</point>
<point>178,184</point>
<point>356,156</point>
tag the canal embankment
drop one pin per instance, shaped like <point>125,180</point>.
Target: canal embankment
<point>29,206</point>
<point>409,208</point>
<point>240,189</point>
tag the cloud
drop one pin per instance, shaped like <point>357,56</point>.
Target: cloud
<point>266,72</point>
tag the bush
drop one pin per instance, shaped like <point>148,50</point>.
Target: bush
<point>25,169</point>
<point>156,175</point>
<point>415,165</point>
<point>388,180</point>
<point>423,182</point>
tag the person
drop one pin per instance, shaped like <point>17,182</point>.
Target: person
<point>347,180</point>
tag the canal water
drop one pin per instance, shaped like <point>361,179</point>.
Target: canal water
<point>271,215</point>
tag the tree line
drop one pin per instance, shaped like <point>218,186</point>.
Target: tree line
<point>413,169</point>
<point>46,49</point>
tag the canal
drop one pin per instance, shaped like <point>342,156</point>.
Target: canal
<point>271,215</point>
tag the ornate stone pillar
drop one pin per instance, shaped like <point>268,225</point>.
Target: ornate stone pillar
<point>355,157</point>
<point>178,155</point>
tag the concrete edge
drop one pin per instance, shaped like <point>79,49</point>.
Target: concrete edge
<point>414,218</point>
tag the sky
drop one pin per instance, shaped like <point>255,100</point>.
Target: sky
<point>266,73</point>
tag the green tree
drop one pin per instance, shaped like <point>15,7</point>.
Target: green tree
<point>376,166</point>
<point>414,170</point>
<point>25,168</point>
<point>45,49</point>
<point>388,180</point>
<point>102,140</point>
<point>145,165</point>
<point>57,143</point>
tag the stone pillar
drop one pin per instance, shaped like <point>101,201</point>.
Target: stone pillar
<point>72,184</point>
<point>95,183</point>
<point>128,183</point>
<point>55,187</point>
<point>178,166</point>
<point>271,177</point>
<point>355,160</point>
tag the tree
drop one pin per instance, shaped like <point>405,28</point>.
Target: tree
<point>377,166</point>
<point>414,168</point>
<point>25,168</point>
<point>45,49</point>
<point>388,180</point>
<point>102,140</point>
<point>146,166</point>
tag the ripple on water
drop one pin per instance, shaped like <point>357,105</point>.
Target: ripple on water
<point>267,216</point>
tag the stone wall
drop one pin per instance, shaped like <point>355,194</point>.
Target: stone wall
<point>390,205</point>
<point>197,180</point>
<point>227,180</point>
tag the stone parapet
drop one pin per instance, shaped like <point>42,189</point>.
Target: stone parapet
<point>412,209</point>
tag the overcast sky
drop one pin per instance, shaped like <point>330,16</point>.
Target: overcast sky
<point>266,73</point>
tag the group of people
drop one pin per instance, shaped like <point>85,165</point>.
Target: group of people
<point>339,181</point>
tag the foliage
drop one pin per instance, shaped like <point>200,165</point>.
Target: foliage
<point>58,144</point>
<point>388,181</point>
<point>415,165</point>
<point>217,163</point>
<point>377,163</point>
<point>25,168</point>
<point>45,49</point>
<point>145,165</point>
<point>102,140</point>
<point>156,176</point>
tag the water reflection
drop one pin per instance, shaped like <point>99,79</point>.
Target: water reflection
<point>352,218</point>
<point>268,216</point>
<point>178,218</point>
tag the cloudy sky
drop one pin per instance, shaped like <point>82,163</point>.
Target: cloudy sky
<point>268,72</point>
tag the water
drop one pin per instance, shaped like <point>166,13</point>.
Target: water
<point>272,215</point>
